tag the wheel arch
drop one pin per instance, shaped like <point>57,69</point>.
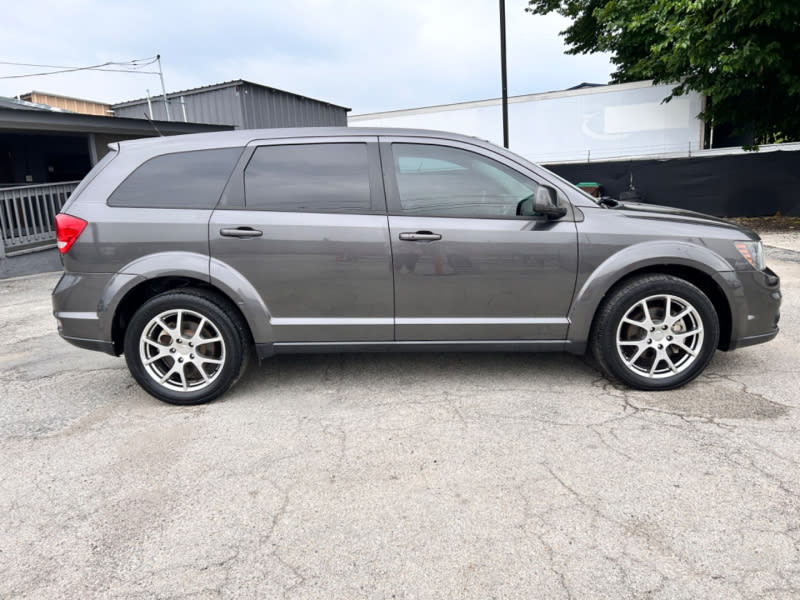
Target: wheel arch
<point>696,277</point>
<point>699,266</point>
<point>149,288</point>
<point>158,273</point>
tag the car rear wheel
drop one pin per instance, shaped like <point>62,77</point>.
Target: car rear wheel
<point>655,332</point>
<point>186,347</point>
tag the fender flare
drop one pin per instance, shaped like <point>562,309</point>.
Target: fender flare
<point>152,266</point>
<point>219,275</point>
<point>237,287</point>
<point>635,258</point>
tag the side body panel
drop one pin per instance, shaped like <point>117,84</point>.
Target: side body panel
<point>323,277</point>
<point>486,279</point>
<point>501,278</point>
<point>117,238</point>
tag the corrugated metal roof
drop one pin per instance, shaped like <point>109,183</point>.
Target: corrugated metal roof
<point>218,86</point>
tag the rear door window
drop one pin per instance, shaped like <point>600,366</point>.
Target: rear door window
<point>325,177</point>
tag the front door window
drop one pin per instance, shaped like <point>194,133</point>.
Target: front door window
<point>451,182</point>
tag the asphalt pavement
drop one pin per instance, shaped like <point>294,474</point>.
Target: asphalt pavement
<point>398,476</point>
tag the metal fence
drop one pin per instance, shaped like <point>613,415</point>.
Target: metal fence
<point>27,215</point>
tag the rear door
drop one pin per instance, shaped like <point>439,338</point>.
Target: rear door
<point>304,220</point>
<point>466,266</point>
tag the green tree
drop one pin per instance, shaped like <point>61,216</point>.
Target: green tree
<point>743,54</point>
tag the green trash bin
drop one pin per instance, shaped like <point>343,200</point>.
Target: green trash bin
<point>591,187</point>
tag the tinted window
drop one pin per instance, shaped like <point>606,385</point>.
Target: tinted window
<point>180,180</point>
<point>309,178</point>
<point>443,181</point>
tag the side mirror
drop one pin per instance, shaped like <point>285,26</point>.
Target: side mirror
<point>545,203</point>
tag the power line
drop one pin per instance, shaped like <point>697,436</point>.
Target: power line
<point>100,67</point>
<point>150,60</point>
<point>131,66</point>
<point>74,70</point>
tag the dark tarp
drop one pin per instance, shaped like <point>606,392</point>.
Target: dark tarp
<point>741,185</point>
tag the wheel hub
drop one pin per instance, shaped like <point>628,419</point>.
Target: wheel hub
<point>182,350</point>
<point>660,336</point>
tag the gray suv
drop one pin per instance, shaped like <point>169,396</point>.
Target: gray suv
<point>194,254</point>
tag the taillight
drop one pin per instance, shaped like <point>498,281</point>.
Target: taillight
<point>68,230</point>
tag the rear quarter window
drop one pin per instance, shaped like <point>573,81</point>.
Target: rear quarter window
<point>179,180</point>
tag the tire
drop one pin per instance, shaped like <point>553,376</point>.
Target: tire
<point>655,332</point>
<point>186,347</point>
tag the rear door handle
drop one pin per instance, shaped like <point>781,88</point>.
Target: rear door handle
<point>241,232</point>
<point>420,236</point>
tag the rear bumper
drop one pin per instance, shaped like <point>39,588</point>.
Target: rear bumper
<point>76,298</point>
<point>84,306</point>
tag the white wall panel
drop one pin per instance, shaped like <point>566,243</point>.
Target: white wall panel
<point>596,123</point>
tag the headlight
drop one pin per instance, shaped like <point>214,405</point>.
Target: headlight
<point>753,252</point>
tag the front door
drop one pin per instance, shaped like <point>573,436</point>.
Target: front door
<point>466,265</point>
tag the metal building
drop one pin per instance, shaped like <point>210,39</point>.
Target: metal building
<point>243,104</point>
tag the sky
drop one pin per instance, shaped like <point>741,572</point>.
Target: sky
<point>368,55</point>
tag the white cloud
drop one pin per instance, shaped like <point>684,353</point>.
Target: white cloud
<point>371,56</point>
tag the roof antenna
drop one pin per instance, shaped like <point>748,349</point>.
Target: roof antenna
<point>146,116</point>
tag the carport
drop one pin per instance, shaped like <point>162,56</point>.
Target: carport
<point>45,152</point>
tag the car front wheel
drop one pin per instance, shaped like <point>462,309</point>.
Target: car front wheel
<point>655,332</point>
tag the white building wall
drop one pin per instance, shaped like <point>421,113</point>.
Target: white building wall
<point>591,123</point>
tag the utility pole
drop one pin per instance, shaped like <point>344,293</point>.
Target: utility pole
<point>163,89</point>
<point>503,70</point>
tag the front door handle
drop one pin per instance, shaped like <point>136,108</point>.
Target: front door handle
<point>420,236</point>
<point>241,232</point>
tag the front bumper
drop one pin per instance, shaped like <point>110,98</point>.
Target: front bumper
<point>96,345</point>
<point>753,340</point>
<point>757,310</point>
